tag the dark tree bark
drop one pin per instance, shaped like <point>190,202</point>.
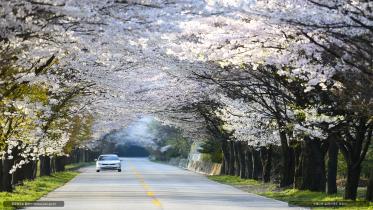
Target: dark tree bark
<point>18,176</point>
<point>298,166</point>
<point>313,168</point>
<point>226,157</point>
<point>354,149</point>
<point>82,155</point>
<point>86,152</point>
<point>332,166</point>
<point>60,163</point>
<point>48,166</point>
<point>29,170</point>
<point>223,166</point>
<point>45,166</point>
<point>287,162</point>
<point>243,164</point>
<point>7,178</point>
<point>41,167</point>
<point>266,158</point>
<point>231,158</point>
<point>77,155</point>
<point>53,164</point>
<point>249,163</point>
<point>1,175</point>
<point>35,169</point>
<point>237,150</point>
<point>369,195</point>
<point>352,182</point>
<point>257,166</point>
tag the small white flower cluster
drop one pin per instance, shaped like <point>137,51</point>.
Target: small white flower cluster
<point>313,123</point>
<point>247,123</point>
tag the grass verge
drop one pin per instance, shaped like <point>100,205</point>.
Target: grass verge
<point>34,189</point>
<point>291,195</point>
<point>75,166</point>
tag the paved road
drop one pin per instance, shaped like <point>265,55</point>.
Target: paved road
<point>144,185</point>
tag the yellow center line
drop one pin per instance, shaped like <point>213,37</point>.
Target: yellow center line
<point>149,193</point>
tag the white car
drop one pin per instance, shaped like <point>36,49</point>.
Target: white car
<point>108,162</point>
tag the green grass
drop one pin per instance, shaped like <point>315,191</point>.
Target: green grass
<point>293,195</point>
<point>75,166</point>
<point>34,189</point>
<point>301,196</point>
<point>248,185</point>
<point>234,180</point>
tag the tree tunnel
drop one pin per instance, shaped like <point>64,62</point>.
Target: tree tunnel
<point>131,150</point>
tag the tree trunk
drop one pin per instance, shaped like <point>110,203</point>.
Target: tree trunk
<point>231,158</point>
<point>18,176</point>
<point>313,168</point>
<point>77,153</point>
<point>60,163</point>
<point>89,152</point>
<point>81,154</point>
<point>243,148</point>
<point>369,196</point>
<point>358,146</point>
<point>266,158</point>
<point>53,164</point>
<point>352,182</point>
<point>298,166</point>
<point>249,163</point>
<point>287,162</point>
<point>35,169</point>
<point>42,163</point>
<point>223,166</point>
<point>1,175</point>
<point>29,170</point>
<point>225,150</point>
<point>237,149</point>
<point>332,166</point>
<point>45,166</point>
<point>256,164</point>
<point>7,178</point>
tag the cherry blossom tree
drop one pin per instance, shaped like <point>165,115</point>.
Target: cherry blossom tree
<point>305,70</point>
<point>319,46</point>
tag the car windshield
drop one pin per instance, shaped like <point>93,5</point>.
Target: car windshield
<point>111,157</point>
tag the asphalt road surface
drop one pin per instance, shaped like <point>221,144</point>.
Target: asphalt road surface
<point>145,185</point>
